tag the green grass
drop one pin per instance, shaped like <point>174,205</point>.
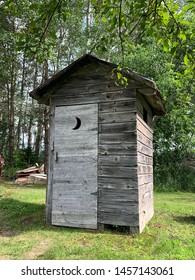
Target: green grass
<point>24,235</point>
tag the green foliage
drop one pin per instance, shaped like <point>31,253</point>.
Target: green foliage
<point>155,38</point>
<point>168,178</point>
<point>174,134</point>
<point>26,157</point>
<point>127,22</point>
<point>23,158</point>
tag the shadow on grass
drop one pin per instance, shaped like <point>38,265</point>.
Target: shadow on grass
<point>23,186</point>
<point>17,217</point>
<point>185,219</point>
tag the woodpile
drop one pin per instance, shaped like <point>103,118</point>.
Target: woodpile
<point>31,175</point>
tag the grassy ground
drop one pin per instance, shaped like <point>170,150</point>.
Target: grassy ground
<point>24,235</point>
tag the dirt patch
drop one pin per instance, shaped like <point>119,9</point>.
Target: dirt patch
<point>27,219</point>
<point>4,258</point>
<point>37,251</point>
<point>8,233</point>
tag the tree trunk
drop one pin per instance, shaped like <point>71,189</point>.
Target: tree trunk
<point>20,113</point>
<point>39,133</point>
<point>30,125</point>
<point>11,93</point>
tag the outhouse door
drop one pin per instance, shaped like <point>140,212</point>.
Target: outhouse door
<point>74,196</point>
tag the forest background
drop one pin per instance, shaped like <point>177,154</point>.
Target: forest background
<point>155,38</point>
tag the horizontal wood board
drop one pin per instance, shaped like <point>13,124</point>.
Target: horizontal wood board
<point>117,171</point>
<point>145,171</point>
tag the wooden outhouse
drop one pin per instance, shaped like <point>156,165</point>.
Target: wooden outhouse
<point>100,151</point>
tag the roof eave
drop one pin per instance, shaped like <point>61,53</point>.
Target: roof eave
<point>147,87</point>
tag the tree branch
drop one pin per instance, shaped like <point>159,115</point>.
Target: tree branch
<point>120,31</point>
<point>177,24</point>
<point>49,21</point>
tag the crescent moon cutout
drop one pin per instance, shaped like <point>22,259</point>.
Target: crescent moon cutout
<point>78,124</point>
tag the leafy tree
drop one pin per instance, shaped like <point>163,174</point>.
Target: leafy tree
<point>155,38</point>
<point>174,134</point>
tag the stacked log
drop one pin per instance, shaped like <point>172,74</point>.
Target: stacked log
<point>33,174</point>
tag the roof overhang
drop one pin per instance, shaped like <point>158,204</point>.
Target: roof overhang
<point>147,87</point>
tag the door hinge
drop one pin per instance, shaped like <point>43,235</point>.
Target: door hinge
<point>99,128</point>
<point>98,193</point>
<point>56,156</point>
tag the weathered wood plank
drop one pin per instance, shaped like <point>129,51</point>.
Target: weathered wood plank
<point>72,159</point>
<point>118,149</point>
<point>144,134</point>
<point>144,140</point>
<point>66,143</point>
<point>145,179</point>
<point>120,219</point>
<point>145,214</point>
<point>145,169</point>
<point>145,188</point>
<point>118,183</point>
<point>92,98</point>
<point>116,93</point>
<point>117,127</point>
<point>73,184</point>
<point>117,160</point>
<point>141,148</point>
<point>63,205</point>
<point>65,117</point>
<point>144,128</point>
<point>118,207</point>
<point>141,158</point>
<point>118,138</point>
<point>146,200</point>
<point>80,220</point>
<point>69,170</point>
<point>73,168</point>
<point>90,87</point>
<point>118,172</point>
<point>70,142</point>
<point>117,117</point>
<point>126,197</point>
<point>148,206</point>
<point>118,106</point>
<point>70,201</point>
